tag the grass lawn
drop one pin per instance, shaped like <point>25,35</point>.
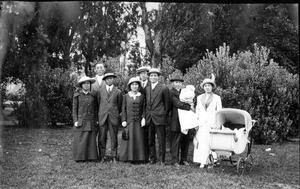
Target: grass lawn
<point>42,158</point>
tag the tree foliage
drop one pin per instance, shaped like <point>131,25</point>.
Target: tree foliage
<point>188,29</point>
<point>250,81</point>
<point>102,27</point>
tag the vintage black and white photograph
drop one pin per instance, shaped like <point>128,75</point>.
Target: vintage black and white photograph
<point>125,94</point>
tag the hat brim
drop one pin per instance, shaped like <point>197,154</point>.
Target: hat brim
<point>105,77</point>
<point>213,84</point>
<point>141,70</point>
<point>176,79</point>
<point>158,73</point>
<point>91,80</point>
<point>138,82</point>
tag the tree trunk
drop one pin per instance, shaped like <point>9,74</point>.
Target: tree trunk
<point>147,30</point>
<point>156,58</point>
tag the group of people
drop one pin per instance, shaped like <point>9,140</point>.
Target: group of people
<point>99,107</point>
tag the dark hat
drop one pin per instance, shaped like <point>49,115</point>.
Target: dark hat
<point>176,78</point>
<point>154,70</point>
<point>142,69</point>
<point>84,79</point>
<point>108,75</point>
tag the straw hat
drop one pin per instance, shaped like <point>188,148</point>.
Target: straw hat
<point>142,69</point>
<point>154,70</point>
<point>84,79</point>
<point>176,78</point>
<point>207,80</point>
<point>108,75</point>
<point>133,79</point>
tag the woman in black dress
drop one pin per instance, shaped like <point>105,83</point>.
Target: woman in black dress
<point>133,117</point>
<point>84,118</point>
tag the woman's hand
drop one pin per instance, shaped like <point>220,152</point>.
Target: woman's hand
<point>124,123</point>
<point>143,122</point>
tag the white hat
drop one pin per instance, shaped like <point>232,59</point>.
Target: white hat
<point>84,79</point>
<point>154,70</point>
<point>207,80</point>
<point>133,79</point>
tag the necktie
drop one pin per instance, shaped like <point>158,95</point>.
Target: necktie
<point>144,84</point>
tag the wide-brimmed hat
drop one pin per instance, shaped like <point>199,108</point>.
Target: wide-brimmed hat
<point>108,75</point>
<point>84,79</point>
<point>176,78</point>
<point>154,70</point>
<point>142,69</point>
<point>133,79</point>
<point>207,80</point>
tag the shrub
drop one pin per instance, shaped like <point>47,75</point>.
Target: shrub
<point>47,100</point>
<point>250,81</point>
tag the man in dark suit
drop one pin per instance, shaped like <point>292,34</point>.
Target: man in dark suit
<point>142,72</point>
<point>110,106</point>
<point>179,141</point>
<point>157,109</point>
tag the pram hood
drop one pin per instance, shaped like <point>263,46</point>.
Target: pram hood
<point>234,116</point>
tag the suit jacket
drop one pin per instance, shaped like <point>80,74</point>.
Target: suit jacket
<point>143,90</point>
<point>176,104</point>
<point>110,106</point>
<point>84,111</point>
<point>157,104</point>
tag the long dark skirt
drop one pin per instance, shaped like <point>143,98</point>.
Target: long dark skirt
<point>134,148</point>
<point>84,146</point>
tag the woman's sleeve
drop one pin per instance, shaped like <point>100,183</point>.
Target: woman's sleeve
<point>124,108</point>
<point>198,106</point>
<point>75,108</point>
<point>219,103</point>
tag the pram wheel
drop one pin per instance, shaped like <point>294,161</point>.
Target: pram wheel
<point>211,159</point>
<point>240,166</point>
<point>249,163</point>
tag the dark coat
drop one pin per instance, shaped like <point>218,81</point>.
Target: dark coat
<point>133,110</point>
<point>84,111</point>
<point>176,104</point>
<point>110,106</point>
<point>143,90</point>
<point>157,104</point>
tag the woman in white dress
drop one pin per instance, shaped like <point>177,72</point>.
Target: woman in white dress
<point>207,105</point>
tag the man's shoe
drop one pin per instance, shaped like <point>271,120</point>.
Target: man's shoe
<point>152,161</point>
<point>185,163</point>
<point>114,160</point>
<point>161,163</point>
<point>176,164</point>
<point>101,160</point>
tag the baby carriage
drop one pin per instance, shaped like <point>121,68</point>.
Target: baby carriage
<point>233,138</point>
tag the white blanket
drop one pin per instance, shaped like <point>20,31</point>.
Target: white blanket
<point>187,119</point>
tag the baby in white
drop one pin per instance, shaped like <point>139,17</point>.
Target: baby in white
<point>187,119</point>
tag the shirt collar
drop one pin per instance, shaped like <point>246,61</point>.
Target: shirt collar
<point>109,87</point>
<point>153,85</point>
